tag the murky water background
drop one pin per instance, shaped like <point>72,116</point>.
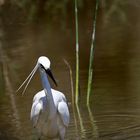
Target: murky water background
<point>114,113</point>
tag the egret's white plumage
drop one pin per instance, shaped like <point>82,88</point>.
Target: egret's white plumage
<point>40,121</point>
<point>49,112</point>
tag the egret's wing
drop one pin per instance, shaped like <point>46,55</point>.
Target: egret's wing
<point>35,113</point>
<point>64,112</point>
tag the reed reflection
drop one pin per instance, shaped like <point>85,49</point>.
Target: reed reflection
<point>4,60</point>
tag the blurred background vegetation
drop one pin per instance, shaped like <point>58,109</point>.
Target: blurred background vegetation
<point>37,8</point>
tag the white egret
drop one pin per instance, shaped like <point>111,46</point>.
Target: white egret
<point>49,112</point>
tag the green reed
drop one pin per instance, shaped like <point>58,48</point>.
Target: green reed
<point>77,54</point>
<point>90,73</point>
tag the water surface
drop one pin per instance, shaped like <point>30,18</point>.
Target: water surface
<point>114,112</point>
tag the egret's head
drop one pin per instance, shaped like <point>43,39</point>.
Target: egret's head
<point>44,62</point>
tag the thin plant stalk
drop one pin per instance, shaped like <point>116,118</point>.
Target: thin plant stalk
<point>90,73</point>
<point>71,80</point>
<point>77,54</point>
<point>72,92</point>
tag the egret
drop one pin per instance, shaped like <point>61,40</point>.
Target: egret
<point>49,111</point>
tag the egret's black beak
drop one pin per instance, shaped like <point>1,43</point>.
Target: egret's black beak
<point>48,71</point>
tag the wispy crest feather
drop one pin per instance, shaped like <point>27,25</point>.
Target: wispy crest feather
<point>28,79</point>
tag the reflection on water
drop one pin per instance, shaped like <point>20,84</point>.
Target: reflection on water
<point>114,112</point>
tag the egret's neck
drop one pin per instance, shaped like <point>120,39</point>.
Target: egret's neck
<point>48,92</point>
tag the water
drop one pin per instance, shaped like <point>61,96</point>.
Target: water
<point>114,112</point>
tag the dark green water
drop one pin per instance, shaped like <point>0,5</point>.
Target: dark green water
<point>114,113</point>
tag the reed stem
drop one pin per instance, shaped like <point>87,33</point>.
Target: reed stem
<point>90,73</point>
<point>77,54</point>
<point>71,80</point>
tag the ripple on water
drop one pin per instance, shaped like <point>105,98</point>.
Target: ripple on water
<point>122,126</point>
<point>82,126</point>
